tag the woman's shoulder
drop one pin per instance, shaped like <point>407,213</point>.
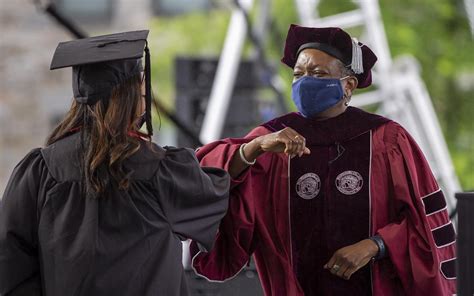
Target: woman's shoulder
<point>179,156</point>
<point>31,169</point>
<point>151,158</point>
<point>151,151</point>
<point>62,158</point>
<point>34,158</point>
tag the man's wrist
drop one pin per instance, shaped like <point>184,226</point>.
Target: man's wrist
<point>382,250</point>
<point>255,147</point>
<point>243,156</point>
<point>372,248</point>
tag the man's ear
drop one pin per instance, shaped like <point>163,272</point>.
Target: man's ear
<point>351,85</point>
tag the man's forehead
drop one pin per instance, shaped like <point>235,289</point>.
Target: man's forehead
<point>314,57</point>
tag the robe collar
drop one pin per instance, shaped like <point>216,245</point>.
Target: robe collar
<point>344,127</point>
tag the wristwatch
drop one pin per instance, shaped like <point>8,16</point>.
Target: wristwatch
<point>382,253</point>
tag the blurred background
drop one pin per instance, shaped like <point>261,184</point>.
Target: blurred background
<point>424,78</point>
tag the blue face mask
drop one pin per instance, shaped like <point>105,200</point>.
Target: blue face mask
<point>314,95</point>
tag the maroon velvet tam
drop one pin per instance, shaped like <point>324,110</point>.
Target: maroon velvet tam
<point>335,42</point>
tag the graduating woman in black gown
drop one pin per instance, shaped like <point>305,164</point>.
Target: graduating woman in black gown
<point>101,210</point>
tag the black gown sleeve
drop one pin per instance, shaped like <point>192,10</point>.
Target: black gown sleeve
<point>19,263</point>
<point>194,199</point>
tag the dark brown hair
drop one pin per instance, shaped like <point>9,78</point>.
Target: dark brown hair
<point>105,136</point>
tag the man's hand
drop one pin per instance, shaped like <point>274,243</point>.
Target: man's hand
<point>286,140</point>
<point>348,260</point>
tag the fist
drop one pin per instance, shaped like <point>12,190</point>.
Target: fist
<point>286,141</point>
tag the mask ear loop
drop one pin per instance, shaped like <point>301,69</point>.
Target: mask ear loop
<point>344,96</point>
<point>347,76</point>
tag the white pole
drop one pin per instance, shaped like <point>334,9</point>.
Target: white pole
<point>367,98</point>
<point>376,32</point>
<point>437,144</point>
<point>469,5</point>
<point>417,113</point>
<point>226,73</point>
<point>307,11</point>
<point>343,20</point>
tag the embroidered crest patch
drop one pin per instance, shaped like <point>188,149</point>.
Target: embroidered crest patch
<point>349,182</point>
<point>308,186</point>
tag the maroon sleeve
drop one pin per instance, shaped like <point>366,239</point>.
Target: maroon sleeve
<point>219,154</point>
<point>421,243</point>
<point>236,237</point>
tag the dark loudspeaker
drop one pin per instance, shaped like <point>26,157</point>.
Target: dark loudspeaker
<point>193,81</point>
<point>465,244</point>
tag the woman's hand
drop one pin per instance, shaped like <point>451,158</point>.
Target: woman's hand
<point>350,259</point>
<point>286,141</point>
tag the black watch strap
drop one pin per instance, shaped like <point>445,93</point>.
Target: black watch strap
<point>382,253</point>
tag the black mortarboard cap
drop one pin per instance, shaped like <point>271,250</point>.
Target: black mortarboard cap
<point>102,62</point>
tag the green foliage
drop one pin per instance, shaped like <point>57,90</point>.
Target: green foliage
<point>438,35</point>
<point>198,34</point>
<point>435,32</point>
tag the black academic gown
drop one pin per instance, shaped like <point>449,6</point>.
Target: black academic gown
<point>54,241</point>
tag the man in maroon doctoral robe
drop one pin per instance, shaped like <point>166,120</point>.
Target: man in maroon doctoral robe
<point>330,200</point>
